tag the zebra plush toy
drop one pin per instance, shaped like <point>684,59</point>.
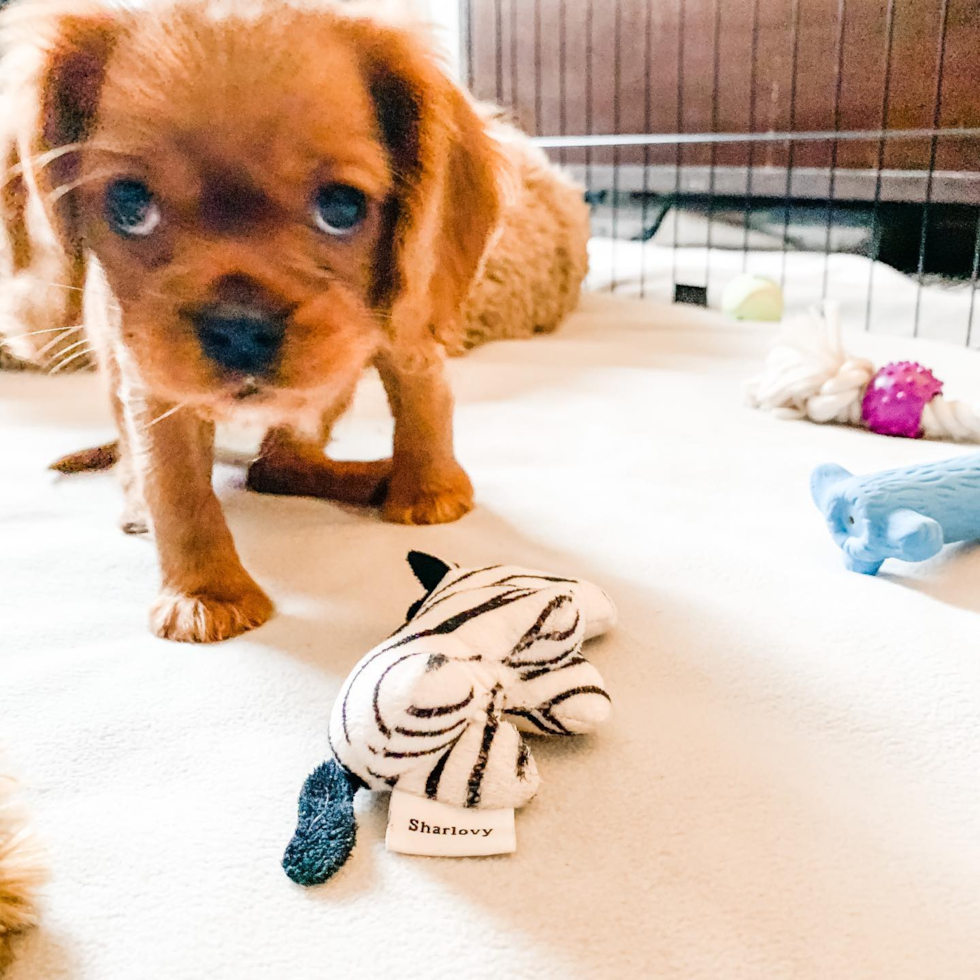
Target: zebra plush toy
<point>438,709</point>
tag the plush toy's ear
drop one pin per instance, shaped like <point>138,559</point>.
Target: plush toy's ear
<point>428,569</point>
<point>823,482</point>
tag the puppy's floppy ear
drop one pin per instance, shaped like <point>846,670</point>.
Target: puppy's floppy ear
<point>448,181</point>
<point>55,55</point>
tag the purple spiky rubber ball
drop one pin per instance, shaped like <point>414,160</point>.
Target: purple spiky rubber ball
<point>897,396</point>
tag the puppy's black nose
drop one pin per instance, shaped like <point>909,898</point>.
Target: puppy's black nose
<point>239,337</point>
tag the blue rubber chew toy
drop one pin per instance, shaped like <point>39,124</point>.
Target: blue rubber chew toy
<point>909,513</point>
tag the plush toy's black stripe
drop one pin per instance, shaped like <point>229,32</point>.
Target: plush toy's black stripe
<point>545,710</point>
<point>443,586</point>
<point>534,634</point>
<point>454,622</point>
<point>443,710</point>
<point>390,781</point>
<point>435,597</point>
<point>529,716</point>
<point>559,636</point>
<point>352,776</point>
<point>523,757</point>
<point>377,692</point>
<point>552,720</point>
<point>535,578</point>
<point>415,733</point>
<point>456,593</point>
<point>480,767</point>
<point>537,722</point>
<point>422,752</point>
<point>432,783</point>
<point>534,674</point>
<point>512,662</point>
<point>575,692</point>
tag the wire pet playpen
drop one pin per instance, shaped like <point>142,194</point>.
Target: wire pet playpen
<point>829,144</point>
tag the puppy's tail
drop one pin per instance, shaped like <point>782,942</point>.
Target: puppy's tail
<point>88,460</point>
<point>327,830</point>
<point>22,872</point>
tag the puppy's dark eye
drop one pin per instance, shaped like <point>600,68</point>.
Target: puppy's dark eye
<point>339,209</point>
<point>130,209</point>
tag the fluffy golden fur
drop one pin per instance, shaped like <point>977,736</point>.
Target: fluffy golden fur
<point>235,114</point>
<point>21,873</point>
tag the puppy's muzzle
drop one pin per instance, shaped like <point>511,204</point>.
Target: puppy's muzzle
<point>239,338</point>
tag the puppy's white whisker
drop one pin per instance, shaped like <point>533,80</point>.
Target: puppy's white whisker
<point>68,360</point>
<point>34,333</point>
<point>67,350</point>
<point>62,285</point>
<point>82,365</point>
<point>70,347</point>
<point>165,415</point>
<point>65,332</point>
<point>39,161</point>
<point>74,289</point>
<point>59,192</point>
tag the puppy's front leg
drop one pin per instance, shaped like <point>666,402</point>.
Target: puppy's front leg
<point>207,595</point>
<point>427,485</point>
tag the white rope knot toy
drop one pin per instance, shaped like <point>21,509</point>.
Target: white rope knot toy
<point>810,376</point>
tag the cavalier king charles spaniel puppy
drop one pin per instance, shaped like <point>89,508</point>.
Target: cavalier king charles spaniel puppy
<point>252,202</point>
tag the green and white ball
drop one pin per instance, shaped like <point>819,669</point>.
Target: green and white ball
<point>749,297</point>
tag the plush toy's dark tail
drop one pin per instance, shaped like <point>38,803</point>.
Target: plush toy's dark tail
<point>325,835</point>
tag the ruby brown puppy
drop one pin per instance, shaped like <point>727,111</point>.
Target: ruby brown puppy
<point>257,200</point>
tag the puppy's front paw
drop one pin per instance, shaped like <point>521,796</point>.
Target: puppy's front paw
<point>208,619</point>
<point>435,498</point>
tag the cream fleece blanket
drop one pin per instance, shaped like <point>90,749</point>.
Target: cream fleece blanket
<point>789,785</point>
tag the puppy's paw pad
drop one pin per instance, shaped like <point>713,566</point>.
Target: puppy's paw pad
<point>207,619</point>
<point>430,503</point>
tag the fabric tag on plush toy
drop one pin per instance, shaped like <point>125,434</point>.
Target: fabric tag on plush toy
<point>430,829</point>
